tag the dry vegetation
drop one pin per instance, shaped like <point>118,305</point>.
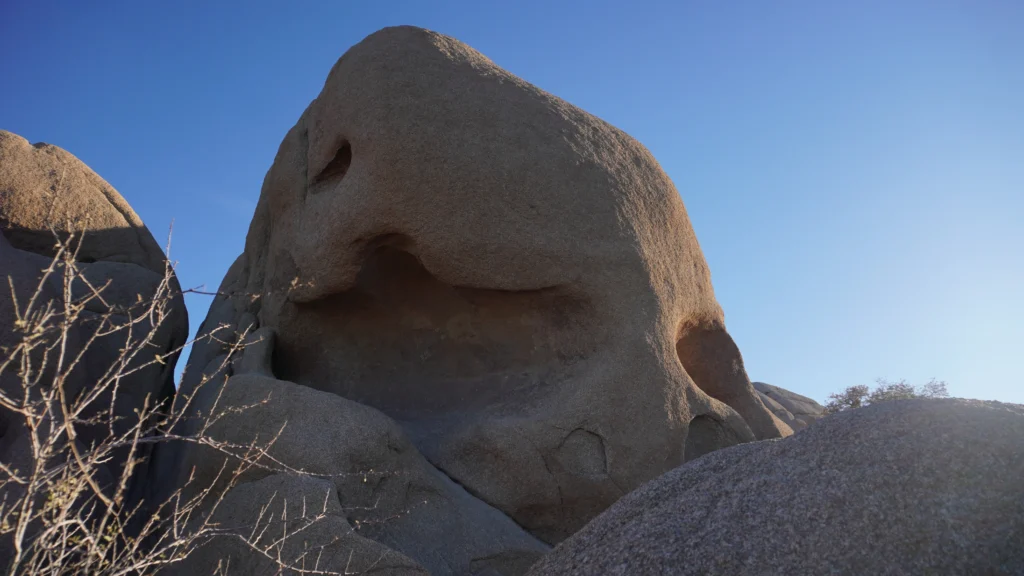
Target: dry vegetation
<point>858,396</point>
<point>69,503</point>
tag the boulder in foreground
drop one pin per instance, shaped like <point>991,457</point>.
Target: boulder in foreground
<point>903,487</point>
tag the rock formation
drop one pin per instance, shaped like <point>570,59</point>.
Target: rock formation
<point>44,191</point>
<point>472,322</point>
<point>380,489</point>
<point>506,289</point>
<point>47,194</point>
<point>902,487</point>
<point>795,410</point>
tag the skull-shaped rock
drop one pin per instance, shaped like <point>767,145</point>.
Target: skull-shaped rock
<point>512,280</point>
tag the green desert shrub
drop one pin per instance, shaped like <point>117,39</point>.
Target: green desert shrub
<point>861,395</point>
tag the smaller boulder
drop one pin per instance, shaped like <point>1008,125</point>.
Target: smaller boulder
<point>792,408</point>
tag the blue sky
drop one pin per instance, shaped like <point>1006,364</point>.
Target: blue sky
<point>854,170</point>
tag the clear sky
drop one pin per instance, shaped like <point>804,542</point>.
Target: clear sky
<point>854,170</point>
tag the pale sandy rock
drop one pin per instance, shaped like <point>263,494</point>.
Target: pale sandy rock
<point>44,189</point>
<point>513,280</point>
<point>482,289</point>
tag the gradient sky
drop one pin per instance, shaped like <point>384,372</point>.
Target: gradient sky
<point>854,170</point>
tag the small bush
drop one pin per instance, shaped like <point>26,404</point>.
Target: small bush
<point>858,396</point>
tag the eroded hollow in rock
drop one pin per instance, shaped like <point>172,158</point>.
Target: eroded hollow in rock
<point>338,166</point>
<point>414,347</point>
<point>713,362</point>
<point>706,434</point>
<point>709,356</point>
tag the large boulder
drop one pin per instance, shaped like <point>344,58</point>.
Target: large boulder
<point>513,280</point>
<point>902,487</point>
<point>510,282</point>
<point>47,195</point>
<point>795,410</point>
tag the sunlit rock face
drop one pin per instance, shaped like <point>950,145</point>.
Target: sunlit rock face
<point>511,280</point>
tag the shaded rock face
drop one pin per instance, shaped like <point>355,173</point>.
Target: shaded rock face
<point>385,500</point>
<point>903,487</point>
<point>328,544</point>
<point>510,280</point>
<point>795,410</point>
<point>45,190</point>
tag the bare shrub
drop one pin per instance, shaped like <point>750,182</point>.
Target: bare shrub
<point>67,504</point>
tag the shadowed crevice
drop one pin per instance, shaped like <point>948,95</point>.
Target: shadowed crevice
<point>404,342</point>
<point>713,361</point>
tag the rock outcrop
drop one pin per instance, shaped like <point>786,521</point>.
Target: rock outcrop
<point>381,489</point>
<point>44,189</point>
<point>47,195</point>
<point>324,542</point>
<point>902,487</point>
<point>508,284</point>
<point>795,410</point>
